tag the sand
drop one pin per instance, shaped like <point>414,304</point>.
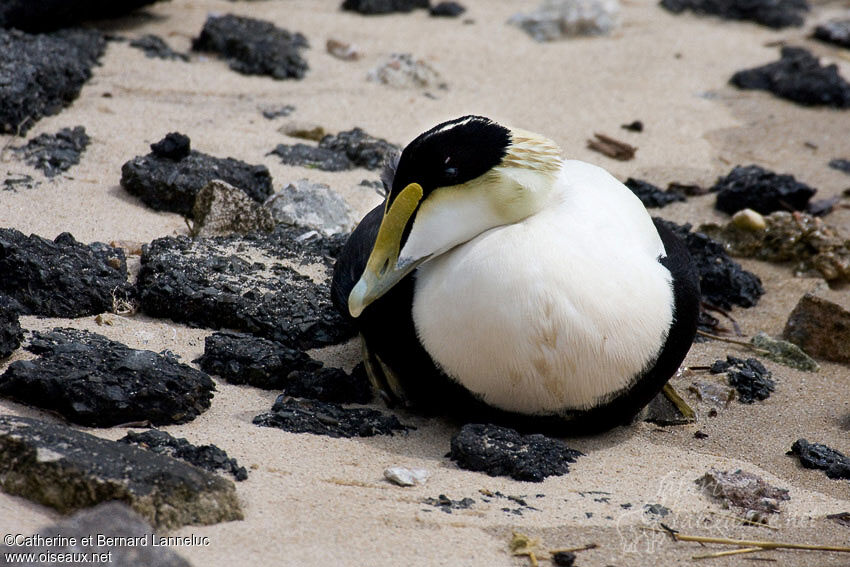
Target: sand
<point>312,500</point>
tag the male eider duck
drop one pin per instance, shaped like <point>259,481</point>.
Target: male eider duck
<point>501,281</point>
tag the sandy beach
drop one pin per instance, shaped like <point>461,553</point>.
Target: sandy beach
<point>313,500</point>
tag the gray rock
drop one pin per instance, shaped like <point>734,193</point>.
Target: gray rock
<point>559,19</point>
<point>68,470</point>
<point>55,153</point>
<point>312,157</point>
<point>61,278</point>
<point>311,205</point>
<point>107,520</point>
<point>97,382</point>
<point>169,179</point>
<point>52,14</point>
<point>403,71</point>
<point>348,149</point>
<point>820,325</point>
<point>248,283</point>
<point>254,47</point>
<point>41,74</point>
<point>221,209</point>
<point>744,491</point>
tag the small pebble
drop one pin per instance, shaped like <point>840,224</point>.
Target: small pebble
<point>406,477</point>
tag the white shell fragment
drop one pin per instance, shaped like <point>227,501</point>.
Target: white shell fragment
<point>406,477</point>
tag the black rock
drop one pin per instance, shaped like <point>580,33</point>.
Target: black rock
<point>66,469</point>
<point>840,165</point>
<point>635,126</point>
<point>817,456</point>
<point>55,153</point>
<point>723,282</point>
<point>500,451</point>
<point>652,196</point>
<point>799,77</point>
<point>446,504</point>
<point>97,382</point>
<point>564,558</point>
<point>346,150</point>
<point>41,74</point>
<point>311,156</point>
<point>329,385</point>
<point>62,278</point>
<point>370,7</point>
<point>166,181</point>
<point>834,31</point>
<point>174,146</point>
<point>113,520</point>
<point>772,13</point>
<point>43,15</point>
<point>362,149</point>
<point>209,282</point>
<point>245,359</point>
<point>10,329</point>
<point>208,457</point>
<point>155,46</point>
<point>254,47</point>
<point>750,377</point>
<point>762,190</point>
<point>323,418</point>
<point>447,9</point>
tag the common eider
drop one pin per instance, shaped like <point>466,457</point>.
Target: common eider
<point>500,281</point>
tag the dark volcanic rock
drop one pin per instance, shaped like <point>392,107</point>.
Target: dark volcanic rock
<point>155,46</point>
<point>834,31</point>
<point>499,451</point>
<point>330,385</point>
<point>55,153</point>
<point>208,457</point>
<point>362,149</point>
<point>840,165</point>
<point>168,182</point>
<point>447,9</point>
<point>10,329</point>
<point>111,519</point>
<point>772,13</point>
<point>62,278</point>
<point>383,6</point>
<point>245,359</point>
<point>43,15</point>
<point>446,504</point>
<point>174,146</point>
<point>723,282</point>
<point>209,282</point>
<point>97,382</point>
<point>312,156</point>
<point>66,469</point>
<point>41,74</point>
<point>322,418</point>
<point>753,187</point>
<point>254,47</point>
<point>750,377</point>
<point>799,77</point>
<point>820,325</point>
<point>352,148</point>
<point>650,195</point>
<point>817,456</point>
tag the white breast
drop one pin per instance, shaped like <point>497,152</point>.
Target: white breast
<point>554,312</point>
